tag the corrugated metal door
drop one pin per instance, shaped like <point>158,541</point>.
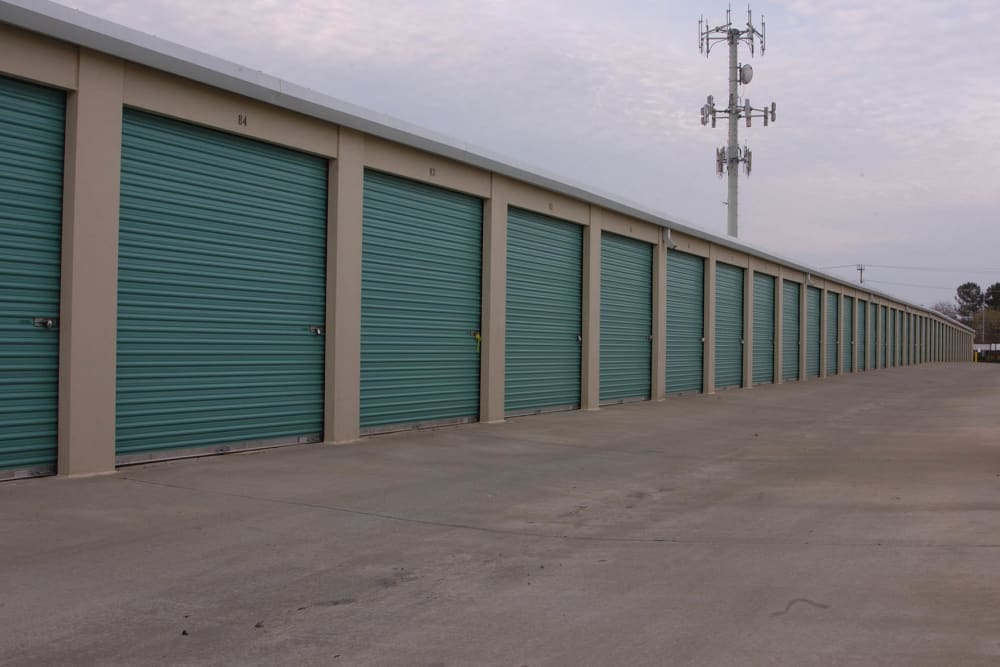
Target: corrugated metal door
<point>813,304</point>
<point>421,275</point>
<point>763,328</point>
<point>544,291</point>
<point>32,119</point>
<point>862,334</point>
<point>728,326</point>
<point>790,326</point>
<point>626,318</point>
<point>685,322</point>
<point>222,265</point>
<point>847,349</point>
<point>832,331</point>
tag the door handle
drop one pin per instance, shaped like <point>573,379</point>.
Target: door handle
<point>45,322</point>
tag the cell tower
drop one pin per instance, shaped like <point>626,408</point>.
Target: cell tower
<point>731,155</point>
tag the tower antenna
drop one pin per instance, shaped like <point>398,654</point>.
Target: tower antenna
<point>730,156</point>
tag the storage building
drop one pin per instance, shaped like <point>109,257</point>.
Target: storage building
<point>199,258</point>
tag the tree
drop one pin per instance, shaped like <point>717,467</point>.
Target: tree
<point>969,297</point>
<point>946,308</point>
<point>993,296</point>
<point>990,333</point>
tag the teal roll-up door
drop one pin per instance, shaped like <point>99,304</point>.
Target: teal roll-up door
<point>884,347</point>
<point>862,335</point>
<point>685,322</point>
<point>832,331</point>
<point>421,275</point>
<point>544,291</point>
<point>626,318</point>
<point>222,265</point>
<point>813,317</point>
<point>728,326</point>
<point>790,330</point>
<point>847,348</point>
<point>32,119</point>
<point>763,328</point>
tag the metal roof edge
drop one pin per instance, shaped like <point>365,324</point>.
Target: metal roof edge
<point>92,32</point>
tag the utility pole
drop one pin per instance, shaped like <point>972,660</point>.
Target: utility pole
<point>861,271</point>
<point>730,156</point>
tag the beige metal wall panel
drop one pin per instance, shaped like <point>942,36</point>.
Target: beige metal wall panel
<point>416,165</point>
<point>748,335</point>
<point>764,266</point>
<point>494,303</point>
<point>533,198</point>
<point>89,309</point>
<point>779,325</point>
<point>708,373</point>
<point>590,375</point>
<point>793,275</point>
<point>690,244</point>
<point>342,406</point>
<point>658,388</point>
<point>617,223</point>
<point>161,93</point>
<point>729,256</point>
<point>30,56</point>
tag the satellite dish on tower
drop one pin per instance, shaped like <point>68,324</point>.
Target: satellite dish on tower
<point>746,74</point>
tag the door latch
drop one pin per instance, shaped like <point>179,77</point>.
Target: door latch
<point>45,322</point>
<point>317,329</point>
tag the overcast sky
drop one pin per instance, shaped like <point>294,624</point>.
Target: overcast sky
<point>886,149</point>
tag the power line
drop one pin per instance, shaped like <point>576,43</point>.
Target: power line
<point>889,282</point>
<point>914,268</point>
<point>932,268</point>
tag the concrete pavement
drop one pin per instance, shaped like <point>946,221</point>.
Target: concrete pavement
<point>853,521</point>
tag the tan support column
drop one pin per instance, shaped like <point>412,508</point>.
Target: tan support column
<point>877,338</point>
<point>843,335</point>
<point>494,313</point>
<point>908,333</point>
<point>747,342</point>
<point>824,316</point>
<point>590,375</point>
<point>854,334</point>
<point>899,338</point>
<point>804,331</point>
<point>709,355</point>
<point>779,326</point>
<point>659,375</point>
<point>342,407</point>
<point>89,295</point>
